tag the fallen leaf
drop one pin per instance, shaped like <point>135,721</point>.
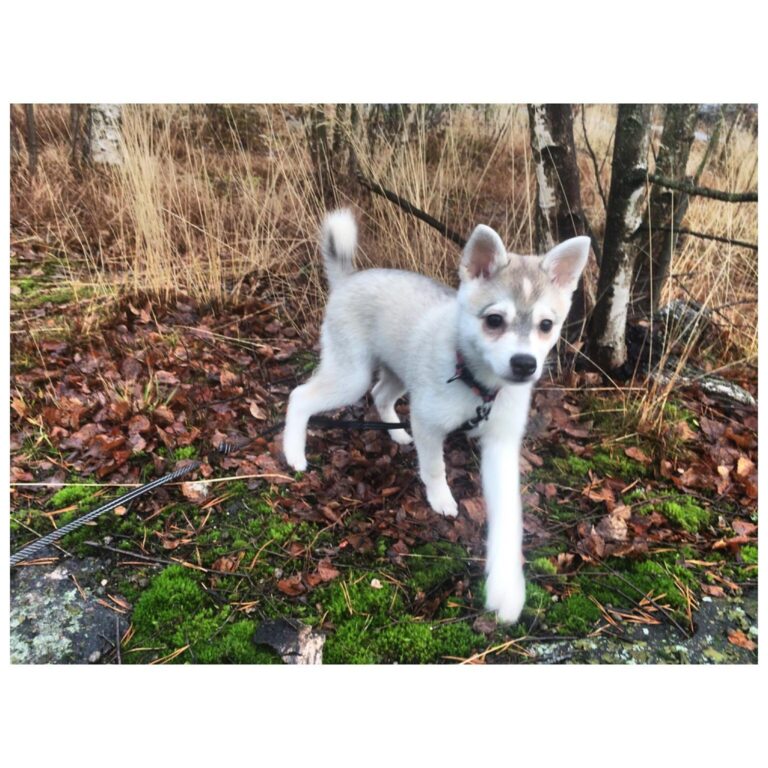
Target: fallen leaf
<point>743,441</point>
<point>743,527</point>
<point>326,571</point>
<point>713,590</point>
<point>737,637</point>
<point>744,467</point>
<point>474,508</point>
<point>292,586</point>
<point>637,454</point>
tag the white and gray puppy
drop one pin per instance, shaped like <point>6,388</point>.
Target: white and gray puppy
<point>468,359</point>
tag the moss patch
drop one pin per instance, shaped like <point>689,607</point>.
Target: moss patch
<point>174,612</point>
<point>371,626</point>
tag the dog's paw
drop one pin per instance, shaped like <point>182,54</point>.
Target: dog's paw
<point>295,458</point>
<point>441,500</point>
<point>400,436</point>
<point>505,594</point>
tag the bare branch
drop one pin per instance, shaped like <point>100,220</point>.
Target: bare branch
<point>409,207</point>
<point>712,194</point>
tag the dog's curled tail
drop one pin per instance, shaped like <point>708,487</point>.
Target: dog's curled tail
<point>338,240</point>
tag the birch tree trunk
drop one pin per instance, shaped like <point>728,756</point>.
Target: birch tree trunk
<point>559,214</point>
<point>104,134</point>
<point>608,324</point>
<point>666,209</point>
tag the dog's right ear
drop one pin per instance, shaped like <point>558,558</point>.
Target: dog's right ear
<point>484,254</point>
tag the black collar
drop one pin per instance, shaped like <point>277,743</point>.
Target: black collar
<point>463,373</point>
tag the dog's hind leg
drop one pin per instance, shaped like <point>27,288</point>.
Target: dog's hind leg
<point>389,388</point>
<point>333,386</point>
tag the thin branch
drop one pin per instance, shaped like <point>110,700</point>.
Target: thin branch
<point>712,194</point>
<point>408,207</point>
<point>703,236</point>
<point>594,160</point>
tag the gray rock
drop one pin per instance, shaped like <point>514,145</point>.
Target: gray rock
<point>52,622</point>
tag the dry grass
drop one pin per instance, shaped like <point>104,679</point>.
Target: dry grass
<point>209,195</point>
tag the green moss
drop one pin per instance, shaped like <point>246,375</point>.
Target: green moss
<point>184,452</point>
<point>543,565</point>
<point>572,466</point>
<point>72,494</point>
<point>356,597</point>
<point>408,642</point>
<point>686,513</point>
<point>576,615</point>
<point>749,555</point>
<point>175,611</point>
<point>351,643</point>
<point>435,564</point>
<point>537,601</point>
<point>371,627</point>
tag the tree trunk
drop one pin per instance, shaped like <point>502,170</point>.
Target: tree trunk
<point>29,109</point>
<point>607,340</point>
<point>320,149</point>
<point>666,209</point>
<point>559,214</point>
<point>75,113</point>
<point>104,134</point>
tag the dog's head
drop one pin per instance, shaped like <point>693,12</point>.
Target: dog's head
<point>513,307</point>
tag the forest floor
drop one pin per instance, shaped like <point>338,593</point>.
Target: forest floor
<point>638,548</point>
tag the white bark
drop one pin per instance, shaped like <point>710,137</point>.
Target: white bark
<point>104,134</point>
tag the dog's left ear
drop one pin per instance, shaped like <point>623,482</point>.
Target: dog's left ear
<point>565,262</point>
<point>484,254</point>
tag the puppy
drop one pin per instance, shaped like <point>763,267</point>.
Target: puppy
<point>468,360</point>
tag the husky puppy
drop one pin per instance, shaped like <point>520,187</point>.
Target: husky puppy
<point>468,360</point>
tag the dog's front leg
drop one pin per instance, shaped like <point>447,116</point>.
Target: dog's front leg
<point>505,583</point>
<point>429,446</point>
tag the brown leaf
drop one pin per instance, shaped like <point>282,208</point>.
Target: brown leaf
<point>256,411</point>
<point>737,637</point>
<point>592,543</point>
<point>291,586</point>
<point>474,508</point>
<point>139,423</point>
<point>637,454</point>
<point>723,480</point>
<point>326,571</point>
<point>743,441</point>
<point>166,377</point>
<point>744,467</point>
<point>713,590</point>
<point>164,415</point>
<point>743,527</point>
<point>226,563</point>
<point>682,431</point>
<point>228,378</point>
<point>613,527</point>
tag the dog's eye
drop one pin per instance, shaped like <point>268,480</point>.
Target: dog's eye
<point>494,321</point>
<point>546,326</point>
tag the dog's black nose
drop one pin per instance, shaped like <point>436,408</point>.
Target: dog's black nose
<point>523,366</point>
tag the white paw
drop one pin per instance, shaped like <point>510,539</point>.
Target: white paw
<point>505,594</point>
<point>295,457</point>
<point>400,436</point>
<point>442,501</point>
